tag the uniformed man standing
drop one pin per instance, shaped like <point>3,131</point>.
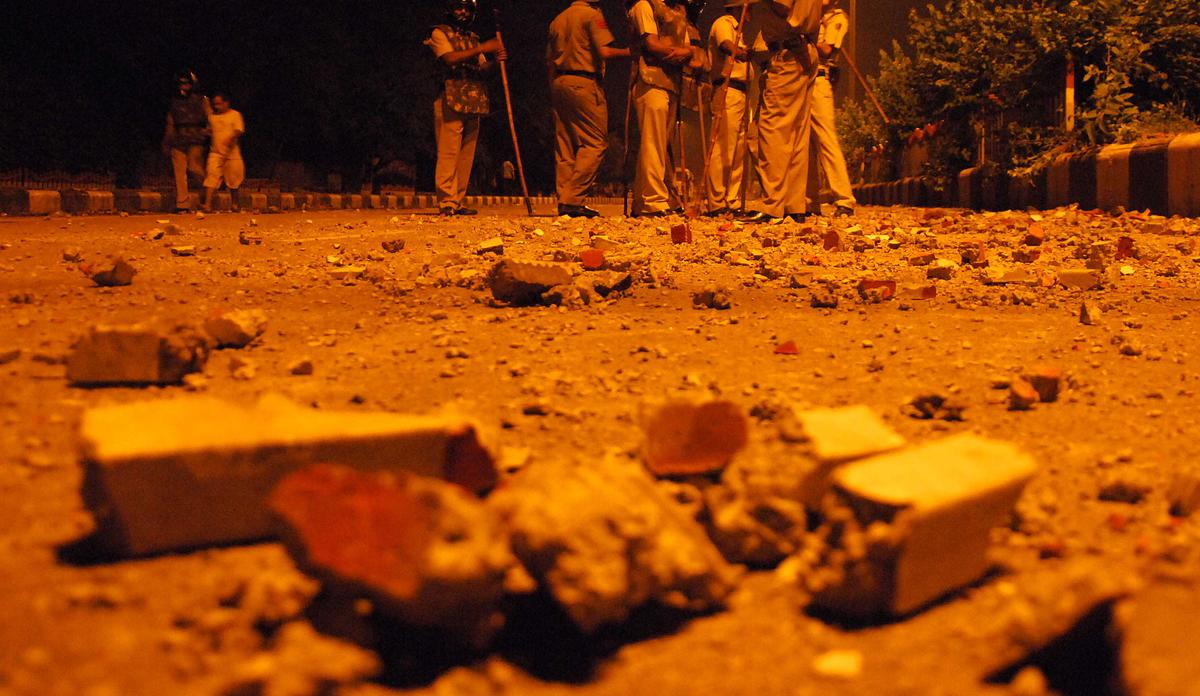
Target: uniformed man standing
<point>790,32</point>
<point>655,96</point>
<point>185,136</point>
<point>834,25</point>
<point>730,81</point>
<point>580,42</point>
<point>462,60</point>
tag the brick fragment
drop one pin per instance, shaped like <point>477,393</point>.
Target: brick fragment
<point>1089,314</point>
<point>137,354</point>
<point>523,282</point>
<point>1047,381</point>
<point>1035,235</point>
<point>347,272</point>
<point>424,551</point>
<point>787,348</point>
<point>918,292</point>
<point>685,438</point>
<point>237,328</point>
<point>495,245</point>
<point>1080,278</point>
<point>712,297</point>
<point>592,259</point>
<point>1022,396</point>
<point>393,246</point>
<point>831,240</point>
<point>115,273</point>
<point>931,509</point>
<point>681,233</point>
<point>195,471</point>
<point>877,290</point>
<point>839,435</point>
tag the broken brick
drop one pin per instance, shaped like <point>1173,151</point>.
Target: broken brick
<point>1022,396</point>
<point>1035,235</point>
<point>935,505</point>
<point>592,259</point>
<point>882,289</point>
<point>681,233</point>
<point>393,246</point>
<point>1047,381</point>
<point>523,282</point>
<point>787,348</point>
<point>712,297</point>
<point>117,272</point>
<point>135,355</point>
<point>831,240</point>
<point>424,551</point>
<point>195,471</point>
<point>686,439</point>
<point>1079,278</point>
<point>840,435</point>
<point>236,329</point>
<point>495,245</point>
<point>910,291</point>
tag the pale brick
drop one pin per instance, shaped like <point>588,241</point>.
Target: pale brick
<point>523,282</point>
<point>844,434</point>
<point>135,355</point>
<point>236,329</point>
<point>195,471</point>
<point>940,502</point>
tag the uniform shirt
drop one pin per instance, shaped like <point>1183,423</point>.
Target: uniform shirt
<point>834,26</point>
<point>576,36</point>
<point>225,129</point>
<point>803,19</point>
<point>725,30</point>
<point>654,18</point>
<point>441,44</point>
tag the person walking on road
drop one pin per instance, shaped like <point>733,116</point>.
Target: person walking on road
<point>186,134</point>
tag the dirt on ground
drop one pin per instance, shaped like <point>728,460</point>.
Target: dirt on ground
<point>395,313</point>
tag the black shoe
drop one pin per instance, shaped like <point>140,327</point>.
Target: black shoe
<point>843,211</point>
<point>755,217</point>
<point>466,211</point>
<point>798,217</point>
<point>446,212</point>
<point>578,211</point>
<point>719,212</point>
<point>675,211</point>
<point>654,214</point>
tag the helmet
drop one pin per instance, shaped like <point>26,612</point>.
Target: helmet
<point>187,76</point>
<point>694,8</point>
<point>471,6</point>
<point>735,3</point>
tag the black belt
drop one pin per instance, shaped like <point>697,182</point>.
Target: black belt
<point>579,73</point>
<point>793,45</point>
<point>822,71</point>
<point>739,85</point>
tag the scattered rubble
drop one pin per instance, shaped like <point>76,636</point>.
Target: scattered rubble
<point>235,328</point>
<point>712,297</point>
<point>523,283</point>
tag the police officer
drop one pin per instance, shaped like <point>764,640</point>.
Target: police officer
<point>185,136</point>
<point>789,31</point>
<point>580,42</point>
<point>664,50</point>
<point>694,95</point>
<point>462,61</point>
<point>730,81</point>
<point>834,25</point>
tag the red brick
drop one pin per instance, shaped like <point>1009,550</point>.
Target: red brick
<point>1047,381</point>
<point>1022,396</point>
<point>687,439</point>
<point>681,233</point>
<point>592,259</point>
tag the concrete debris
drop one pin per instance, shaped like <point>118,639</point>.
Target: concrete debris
<point>301,368</point>
<point>136,355</point>
<point>845,665</point>
<point>393,246</point>
<point>712,297</point>
<point>1158,626</point>
<point>602,539</point>
<point>839,435</point>
<point>347,272</point>
<point>928,512</point>
<point>236,328</point>
<point>247,237</point>
<point>1080,278</point>
<point>425,552</point>
<point>522,283</point>
<point>301,662</point>
<point>824,296</point>
<point>72,255</point>
<point>115,273</point>
<point>156,471</point>
<point>183,251</point>
<point>495,245</point>
<point>687,439</point>
<point>1046,381</point>
<point>936,407</point>
<point>1089,314</point>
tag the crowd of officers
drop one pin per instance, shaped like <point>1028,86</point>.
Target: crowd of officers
<point>785,51</point>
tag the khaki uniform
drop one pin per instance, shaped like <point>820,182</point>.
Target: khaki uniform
<point>828,151</point>
<point>456,113</point>
<point>187,132</point>
<point>726,169</point>
<point>655,98</point>
<point>577,97</point>
<point>785,120</point>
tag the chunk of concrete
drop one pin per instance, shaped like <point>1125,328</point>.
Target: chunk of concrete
<point>1158,648</point>
<point>524,282</point>
<point>687,439</point>
<point>840,435</point>
<point>427,552</point>
<point>196,471</point>
<point>940,502</point>
<point>603,539</point>
<point>114,273</point>
<point>237,328</point>
<point>138,354</point>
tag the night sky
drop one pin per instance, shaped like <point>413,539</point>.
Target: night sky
<point>84,86</point>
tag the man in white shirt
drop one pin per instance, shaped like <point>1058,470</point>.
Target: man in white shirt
<point>225,153</point>
<point>730,80</point>
<point>790,33</point>
<point>828,151</point>
<point>663,53</point>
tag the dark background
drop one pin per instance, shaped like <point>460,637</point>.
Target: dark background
<point>84,85</point>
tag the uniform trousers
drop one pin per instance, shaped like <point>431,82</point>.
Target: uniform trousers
<point>185,160</point>
<point>457,136</point>
<point>785,131</point>
<point>828,150</point>
<point>580,135</point>
<point>727,166</point>
<point>656,119</point>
